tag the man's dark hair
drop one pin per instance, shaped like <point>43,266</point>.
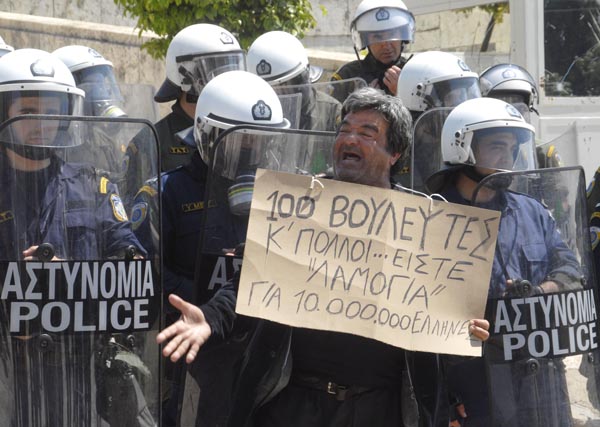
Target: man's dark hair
<point>399,134</point>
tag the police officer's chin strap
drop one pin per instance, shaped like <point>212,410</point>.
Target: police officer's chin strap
<point>501,182</point>
<point>31,152</point>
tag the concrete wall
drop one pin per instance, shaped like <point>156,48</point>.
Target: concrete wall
<point>49,24</point>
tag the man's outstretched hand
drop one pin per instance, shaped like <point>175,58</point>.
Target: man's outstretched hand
<point>187,335</point>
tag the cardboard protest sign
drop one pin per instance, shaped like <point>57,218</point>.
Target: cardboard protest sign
<point>378,263</point>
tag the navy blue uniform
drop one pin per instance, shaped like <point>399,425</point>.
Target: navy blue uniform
<point>172,151</point>
<point>529,247</point>
<point>183,206</point>
<point>368,69</point>
<point>81,215</point>
<point>69,206</point>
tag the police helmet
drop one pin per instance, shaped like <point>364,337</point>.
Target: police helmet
<point>279,57</point>
<point>94,75</point>
<point>235,98</point>
<point>36,82</point>
<point>436,79</point>
<point>196,54</point>
<point>510,83</point>
<point>377,21</point>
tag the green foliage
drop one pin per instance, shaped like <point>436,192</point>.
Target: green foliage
<point>495,10</point>
<point>247,19</point>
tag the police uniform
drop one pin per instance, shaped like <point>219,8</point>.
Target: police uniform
<point>81,215</point>
<point>530,247</point>
<point>183,204</point>
<point>79,212</point>
<point>368,69</point>
<point>172,151</point>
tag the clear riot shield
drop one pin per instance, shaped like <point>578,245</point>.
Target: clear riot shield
<point>236,155</point>
<point>540,365</point>
<point>80,297</point>
<point>426,155</point>
<point>313,106</point>
<point>340,89</point>
<point>561,151</point>
<point>138,101</point>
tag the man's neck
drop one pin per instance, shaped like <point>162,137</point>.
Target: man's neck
<point>466,187</point>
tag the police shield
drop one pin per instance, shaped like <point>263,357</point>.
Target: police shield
<point>236,155</point>
<point>426,155</point>
<point>316,106</point>
<point>80,291</point>
<point>561,151</point>
<point>540,365</point>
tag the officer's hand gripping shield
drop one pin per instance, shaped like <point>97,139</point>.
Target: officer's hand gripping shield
<point>540,365</point>
<point>80,294</point>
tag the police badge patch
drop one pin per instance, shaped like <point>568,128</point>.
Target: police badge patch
<point>594,236</point>
<point>138,214</point>
<point>118,208</point>
<point>263,68</point>
<point>382,15</point>
<point>226,38</point>
<point>261,111</point>
<point>42,67</point>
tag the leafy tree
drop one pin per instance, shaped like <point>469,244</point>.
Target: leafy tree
<point>247,19</point>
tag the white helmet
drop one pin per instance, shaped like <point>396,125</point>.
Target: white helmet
<point>381,20</point>
<point>436,79</point>
<point>196,54</point>
<point>36,74</point>
<point>235,98</point>
<point>94,75</point>
<point>473,120</point>
<point>510,83</point>
<point>38,71</point>
<point>278,57</point>
<point>5,48</point>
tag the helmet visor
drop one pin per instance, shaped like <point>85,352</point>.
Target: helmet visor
<point>371,28</point>
<point>503,148</point>
<point>197,71</point>
<point>102,94</point>
<point>450,93</point>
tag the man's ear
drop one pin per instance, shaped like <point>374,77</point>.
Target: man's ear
<point>394,158</point>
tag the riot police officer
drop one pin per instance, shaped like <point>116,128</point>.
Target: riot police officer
<point>280,59</point>
<point>384,27</point>
<point>432,82</point>
<point>196,54</point>
<point>226,101</point>
<point>76,215</point>
<point>480,139</point>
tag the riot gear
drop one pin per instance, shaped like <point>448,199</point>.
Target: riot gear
<point>238,97</point>
<point>279,58</point>
<point>377,21</point>
<point>33,81</point>
<point>436,79</point>
<point>94,75</point>
<point>196,54</point>
<point>510,83</point>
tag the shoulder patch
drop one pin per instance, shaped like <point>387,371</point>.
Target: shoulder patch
<point>594,237</point>
<point>148,189</point>
<point>118,208</point>
<point>6,216</point>
<point>103,185</point>
<point>138,214</point>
